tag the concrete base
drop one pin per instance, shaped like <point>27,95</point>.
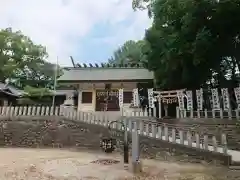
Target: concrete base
<point>137,167</point>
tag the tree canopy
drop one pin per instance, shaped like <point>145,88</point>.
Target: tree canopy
<point>193,43</point>
<point>23,63</point>
<point>129,53</point>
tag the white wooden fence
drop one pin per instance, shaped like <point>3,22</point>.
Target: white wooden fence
<point>29,111</point>
<point>158,131</point>
<point>218,114</point>
<point>146,128</point>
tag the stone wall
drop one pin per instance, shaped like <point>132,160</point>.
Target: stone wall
<point>59,132</point>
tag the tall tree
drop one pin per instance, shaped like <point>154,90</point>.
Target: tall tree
<point>22,62</point>
<point>192,42</point>
<point>130,52</point>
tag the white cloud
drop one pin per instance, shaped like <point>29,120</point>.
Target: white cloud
<point>59,24</point>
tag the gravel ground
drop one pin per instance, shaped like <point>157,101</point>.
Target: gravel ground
<point>54,164</point>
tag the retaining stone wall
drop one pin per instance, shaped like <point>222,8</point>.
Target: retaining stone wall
<point>59,132</point>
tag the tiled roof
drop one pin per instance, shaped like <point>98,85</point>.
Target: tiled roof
<point>14,91</point>
<point>106,73</point>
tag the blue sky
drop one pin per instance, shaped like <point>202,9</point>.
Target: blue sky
<point>88,30</point>
<point>96,46</point>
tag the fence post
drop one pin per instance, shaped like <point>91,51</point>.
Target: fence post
<point>214,141</point>
<point>224,143</point>
<point>205,113</point>
<point>145,112</point>
<point>56,111</point>
<point>205,142</point>
<point>20,112</point>
<point>213,113</point>
<point>198,113</point>
<point>16,111</point>
<point>51,110</point>
<point>24,110</point>
<point>189,138</point>
<point>12,111</point>
<point>38,111</point>
<point>160,132</point>
<point>154,130</point>
<point>141,127</point>
<point>47,111</point>
<point>166,132</point>
<point>173,135</point>
<point>185,113</point>
<point>177,113</point>
<point>154,112</point>
<point>191,113</point>
<point>3,110</point>
<point>221,113</point>
<point>147,129</point>
<point>8,111</point>
<point>230,113</point>
<point>197,140</point>
<point>181,137</point>
<point>42,110</point>
<point>33,110</point>
<point>237,113</point>
<point>129,125</point>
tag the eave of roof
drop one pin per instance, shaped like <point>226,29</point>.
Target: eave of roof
<point>106,74</point>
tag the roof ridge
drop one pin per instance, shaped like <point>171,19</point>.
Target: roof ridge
<point>109,65</point>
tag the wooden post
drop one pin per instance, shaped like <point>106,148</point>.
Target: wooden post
<point>173,135</point>
<point>135,153</point>
<point>160,106</point>
<point>224,143</point>
<point>154,130</point>
<point>159,132</point>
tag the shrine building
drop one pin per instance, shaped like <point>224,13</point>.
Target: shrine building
<point>98,86</point>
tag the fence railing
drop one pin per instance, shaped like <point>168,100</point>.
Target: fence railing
<point>188,137</point>
<point>30,110</point>
<point>159,131</point>
<point>218,114</point>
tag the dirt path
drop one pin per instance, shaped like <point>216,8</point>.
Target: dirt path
<point>33,164</point>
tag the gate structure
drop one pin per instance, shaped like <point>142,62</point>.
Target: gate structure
<point>213,103</point>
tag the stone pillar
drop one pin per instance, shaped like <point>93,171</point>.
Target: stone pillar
<point>136,164</point>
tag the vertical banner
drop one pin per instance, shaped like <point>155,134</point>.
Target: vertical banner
<point>215,99</point>
<point>135,97</point>
<point>199,94</point>
<point>180,96</point>
<point>189,100</point>
<point>226,100</point>
<point>120,97</point>
<point>150,98</point>
<point>237,95</point>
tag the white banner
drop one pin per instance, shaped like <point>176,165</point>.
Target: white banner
<point>199,94</point>
<point>180,96</point>
<point>150,98</point>
<point>237,95</point>
<point>120,97</point>
<point>189,100</point>
<point>215,99</point>
<point>226,100</point>
<point>135,97</point>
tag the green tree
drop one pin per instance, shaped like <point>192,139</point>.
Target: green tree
<point>193,43</point>
<point>22,62</point>
<point>131,52</point>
